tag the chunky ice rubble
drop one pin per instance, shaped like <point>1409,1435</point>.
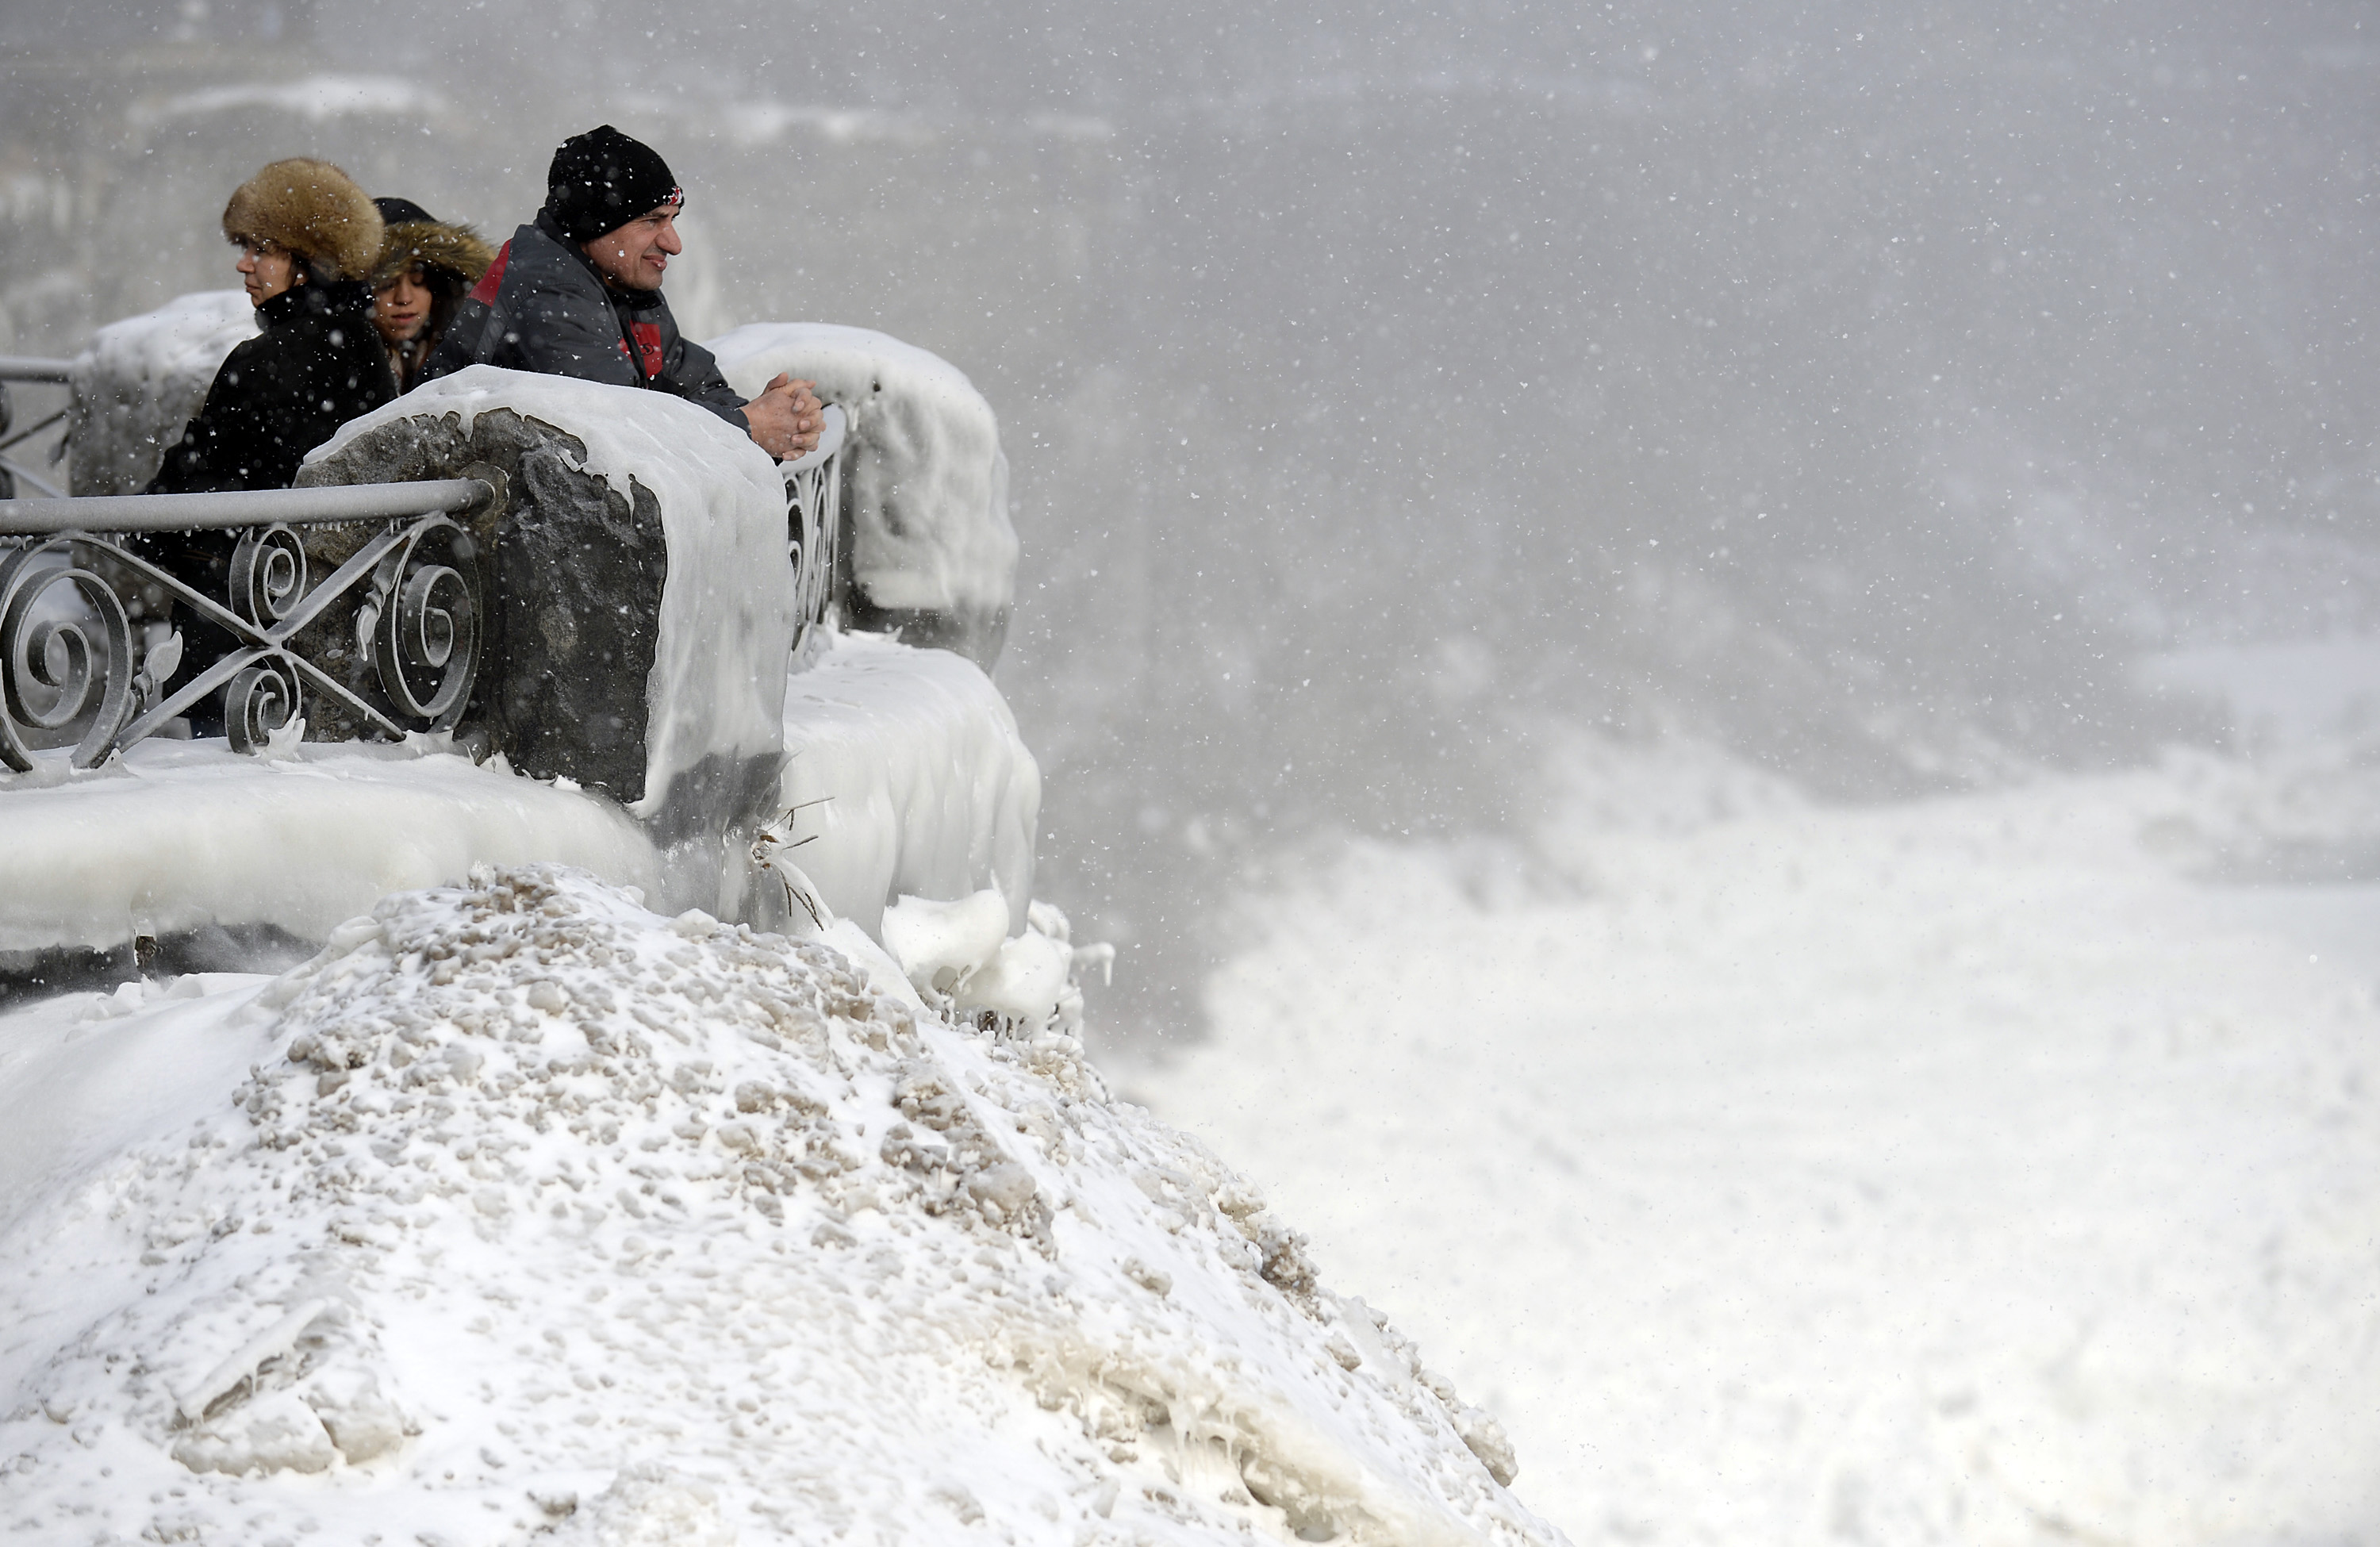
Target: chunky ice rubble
<point>928,482</point>
<point>540,1217</point>
<point>959,955</point>
<point>718,681</point>
<point>141,379</point>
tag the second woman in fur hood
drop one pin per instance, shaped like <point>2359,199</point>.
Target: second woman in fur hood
<point>425,269</point>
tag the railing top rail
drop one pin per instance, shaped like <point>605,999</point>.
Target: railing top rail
<point>257,507</point>
<point>32,368</point>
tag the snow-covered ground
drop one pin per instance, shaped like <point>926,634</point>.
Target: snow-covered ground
<point>521,1213</point>
<point>1974,1171</point>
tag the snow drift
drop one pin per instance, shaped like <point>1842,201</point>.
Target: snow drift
<point>521,1211</point>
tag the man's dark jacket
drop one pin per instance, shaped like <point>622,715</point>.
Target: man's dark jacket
<point>317,364</point>
<point>543,307</point>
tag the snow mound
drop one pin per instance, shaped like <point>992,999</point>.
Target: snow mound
<point>929,483</point>
<point>140,381</point>
<point>548,1218</point>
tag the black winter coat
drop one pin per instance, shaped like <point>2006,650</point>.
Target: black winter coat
<point>543,307</point>
<point>317,364</point>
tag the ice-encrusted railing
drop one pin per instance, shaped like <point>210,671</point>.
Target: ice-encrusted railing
<point>15,442</point>
<point>87,635</point>
<point>813,518</point>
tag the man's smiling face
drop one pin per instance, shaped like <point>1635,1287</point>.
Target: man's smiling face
<point>635,256</point>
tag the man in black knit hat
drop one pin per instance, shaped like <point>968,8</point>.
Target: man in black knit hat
<point>578,292</point>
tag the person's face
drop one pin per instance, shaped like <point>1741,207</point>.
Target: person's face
<point>635,255</point>
<point>401,309</point>
<point>266,270</point>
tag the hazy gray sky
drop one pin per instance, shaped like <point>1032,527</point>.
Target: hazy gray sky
<point>1861,384</point>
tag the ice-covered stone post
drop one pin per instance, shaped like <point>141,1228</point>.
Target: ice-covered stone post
<point>640,596</point>
<point>140,381</point>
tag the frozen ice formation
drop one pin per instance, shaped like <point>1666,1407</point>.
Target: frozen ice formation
<point>177,836</point>
<point>931,544</point>
<point>648,659</point>
<point>959,954</point>
<point>535,1215</point>
<point>905,773</point>
<point>141,379</point>
<point>938,944</point>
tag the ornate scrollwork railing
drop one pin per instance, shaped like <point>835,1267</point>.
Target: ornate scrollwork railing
<point>813,515</point>
<point>87,640</point>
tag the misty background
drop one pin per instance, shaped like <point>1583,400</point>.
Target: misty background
<point>1395,398</point>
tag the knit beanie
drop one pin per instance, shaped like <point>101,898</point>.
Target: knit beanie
<point>601,180</point>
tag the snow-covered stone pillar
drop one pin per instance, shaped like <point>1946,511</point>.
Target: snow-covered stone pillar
<point>640,596</point>
<point>140,381</point>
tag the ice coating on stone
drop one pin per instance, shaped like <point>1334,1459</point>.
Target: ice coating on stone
<point>718,681</point>
<point>522,1209</point>
<point>905,773</point>
<point>179,835</point>
<point>928,488</point>
<point>138,381</point>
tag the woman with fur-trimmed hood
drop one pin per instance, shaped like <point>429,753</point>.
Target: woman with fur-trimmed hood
<point>425,267</point>
<point>308,239</point>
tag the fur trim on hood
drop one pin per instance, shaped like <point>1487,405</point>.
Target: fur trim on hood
<point>434,244</point>
<point>310,208</point>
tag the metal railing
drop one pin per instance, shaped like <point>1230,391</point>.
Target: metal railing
<point>14,470</point>
<point>813,516</point>
<point>90,621</point>
<point>88,639</point>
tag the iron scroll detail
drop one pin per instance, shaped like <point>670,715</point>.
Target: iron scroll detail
<point>81,621</point>
<point>65,657</point>
<point>422,622</point>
